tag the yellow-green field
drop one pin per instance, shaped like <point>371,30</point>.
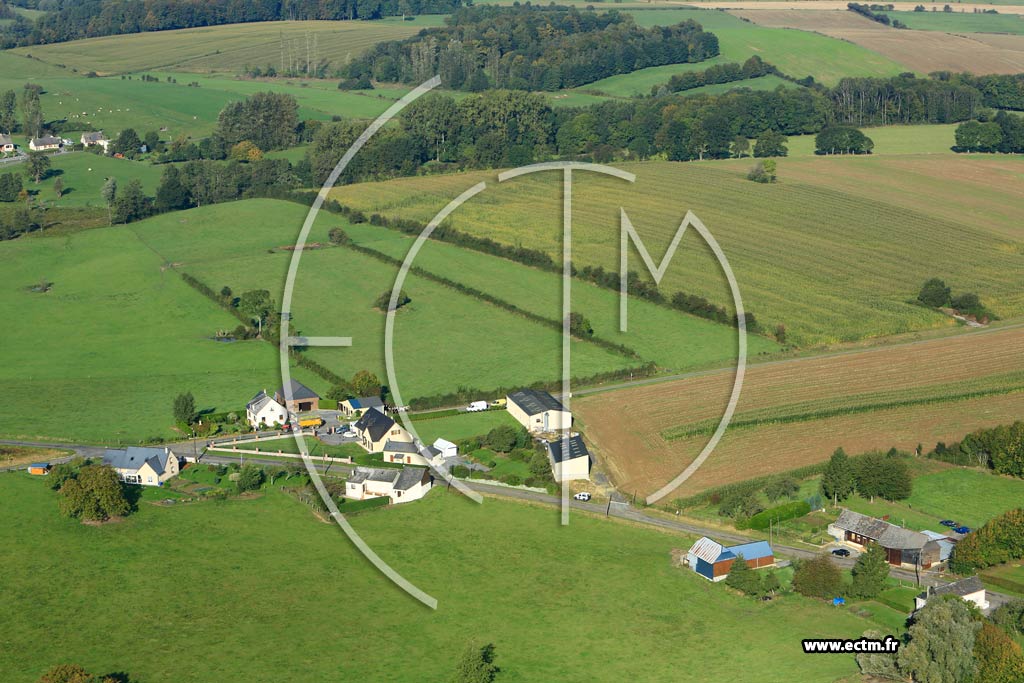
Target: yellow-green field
<point>915,139</point>
<point>830,250</point>
<point>229,48</point>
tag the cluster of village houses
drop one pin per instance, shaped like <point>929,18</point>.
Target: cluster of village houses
<point>50,143</point>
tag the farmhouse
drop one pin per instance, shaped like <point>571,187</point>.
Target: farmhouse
<point>262,411</point>
<point>46,142</point>
<point>145,466</point>
<point>401,486</point>
<point>354,407</point>
<point>902,546</point>
<point>6,143</point>
<point>97,138</point>
<point>303,398</point>
<point>569,463</point>
<point>712,560</point>
<point>969,589</point>
<point>538,411</point>
<point>375,429</point>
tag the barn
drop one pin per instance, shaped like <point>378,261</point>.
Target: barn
<point>712,560</point>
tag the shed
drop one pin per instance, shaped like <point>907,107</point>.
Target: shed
<point>712,560</point>
<point>39,468</point>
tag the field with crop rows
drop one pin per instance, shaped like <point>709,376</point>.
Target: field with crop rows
<point>962,22</point>
<point>832,258</point>
<point>229,48</point>
<point>645,449</point>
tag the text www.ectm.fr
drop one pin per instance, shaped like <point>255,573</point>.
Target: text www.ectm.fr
<point>889,644</point>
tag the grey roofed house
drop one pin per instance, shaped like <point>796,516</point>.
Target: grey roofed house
<point>409,477</point>
<point>134,457</point>
<point>299,391</point>
<point>533,402</point>
<point>5,140</point>
<point>366,402</point>
<point>93,138</point>
<point>972,584</point>
<point>258,401</point>
<point>882,532</point>
<point>577,449</point>
<point>45,140</point>
<point>401,446</point>
<point>402,480</point>
<point>376,423</point>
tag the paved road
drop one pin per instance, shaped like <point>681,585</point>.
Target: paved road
<point>83,451</point>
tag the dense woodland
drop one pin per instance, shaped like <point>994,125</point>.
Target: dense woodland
<point>74,19</point>
<point>532,48</point>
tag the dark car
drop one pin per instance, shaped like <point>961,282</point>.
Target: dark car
<point>948,522</point>
<point>841,552</point>
<point>963,529</point>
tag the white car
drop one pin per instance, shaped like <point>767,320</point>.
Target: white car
<point>582,495</point>
<point>349,434</point>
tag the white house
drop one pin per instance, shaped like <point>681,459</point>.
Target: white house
<point>97,138</point>
<point>538,411</point>
<point>375,429</point>
<point>145,466</point>
<point>570,459</point>
<point>400,485</point>
<point>406,452</point>
<point>47,142</point>
<point>263,411</point>
<point>969,589</point>
<point>354,407</point>
<point>6,143</point>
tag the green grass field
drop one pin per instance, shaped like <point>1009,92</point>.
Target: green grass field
<point>920,139</point>
<point>962,22</point>
<point>101,356</point>
<point>462,426</point>
<point>673,340</point>
<point>228,48</point>
<point>232,590</point>
<point>826,251</point>
<point>796,53</point>
<point>84,174</point>
<point>335,291</point>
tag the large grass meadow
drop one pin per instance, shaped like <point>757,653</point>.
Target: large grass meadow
<point>260,590</point>
<point>834,250</point>
<point>102,354</point>
<point>962,22</point>
<point>83,175</point>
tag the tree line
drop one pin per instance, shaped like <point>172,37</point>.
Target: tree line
<point>529,47</point>
<point>999,448</point>
<point>1003,132</point>
<point>75,19</point>
<point>754,67</point>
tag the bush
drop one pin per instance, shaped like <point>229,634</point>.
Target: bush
<point>250,478</point>
<point>460,471</point>
<point>817,578</point>
<point>761,520</point>
<point>934,293</point>
<point>512,479</point>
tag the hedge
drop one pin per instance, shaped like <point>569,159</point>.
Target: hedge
<point>779,513</point>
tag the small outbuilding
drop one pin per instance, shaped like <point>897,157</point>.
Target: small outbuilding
<point>354,407</point>
<point>6,143</point>
<point>712,560</point>
<point>570,459</point>
<point>970,589</point>
<point>39,468</point>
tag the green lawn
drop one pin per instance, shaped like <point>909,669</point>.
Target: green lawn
<point>503,464</point>
<point>283,577</point>
<point>674,341</point>
<point>462,426</point>
<point>101,356</point>
<point>962,22</point>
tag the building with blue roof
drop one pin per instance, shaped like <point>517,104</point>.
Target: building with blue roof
<point>712,560</point>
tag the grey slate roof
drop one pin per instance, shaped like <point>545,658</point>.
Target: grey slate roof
<point>401,480</point>
<point>133,457</point>
<point>885,534</point>
<point>533,402</point>
<point>400,446</point>
<point>577,449</point>
<point>5,139</point>
<point>972,584</point>
<point>258,401</point>
<point>46,140</point>
<point>376,423</point>
<point>299,391</point>
<point>94,137</point>
<point>409,477</point>
<point>366,402</point>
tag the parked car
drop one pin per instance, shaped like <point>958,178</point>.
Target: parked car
<point>963,529</point>
<point>349,434</point>
<point>948,522</point>
<point>582,495</point>
<point>841,552</point>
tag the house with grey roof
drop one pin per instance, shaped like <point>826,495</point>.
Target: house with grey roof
<point>95,138</point>
<point>400,485</point>
<point>569,457</point>
<point>970,589</point>
<point>902,546</point>
<point>144,466</point>
<point>299,398</point>
<point>375,429</point>
<point>46,142</point>
<point>406,452</point>
<point>6,143</point>
<point>263,411</point>
<point>538,411</point>
<point>354,407</point>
